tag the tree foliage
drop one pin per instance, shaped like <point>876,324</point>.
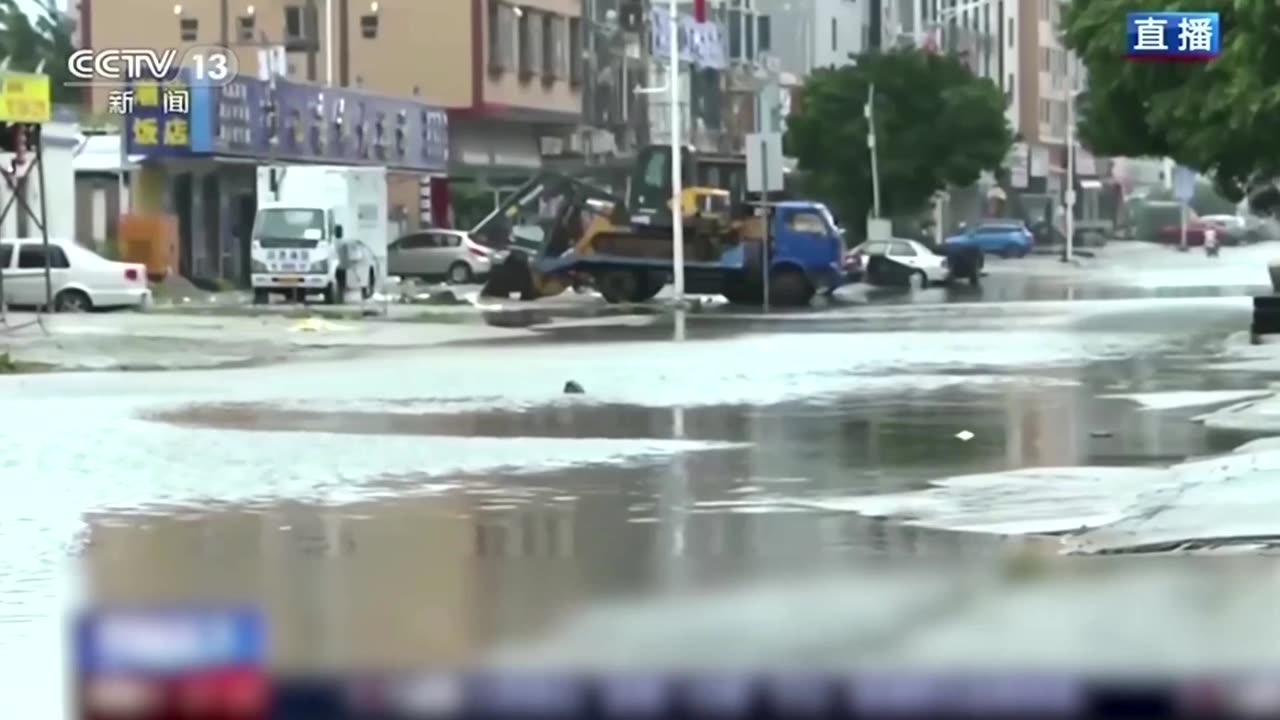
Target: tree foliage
<point>43,34</point>
<point>936,125</point>
<point>1218,117</point>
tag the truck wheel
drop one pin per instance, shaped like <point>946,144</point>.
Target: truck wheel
<point>620,286</point>
<point>336,292</point>
<point>261,296</point>
<point>790,287</point>
<point>740,292</point>
<point>652,285</point>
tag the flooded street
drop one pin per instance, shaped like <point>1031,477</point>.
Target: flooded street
<point>407,508</point>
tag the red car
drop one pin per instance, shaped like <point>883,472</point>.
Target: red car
<point>1172,234</point>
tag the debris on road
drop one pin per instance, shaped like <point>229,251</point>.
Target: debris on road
<point>316,324</point>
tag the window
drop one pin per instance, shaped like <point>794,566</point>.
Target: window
<point>502,28</point>
<point>835,35</point>
<point>6,255</point>
<point>526,47</point>
<point>369,26</point>
<point>33,256</point>
<point>764,34</point>
<point>189,29</point>
<point>412,242</point>
<point>1011,33</point>
<point>293,25</point>
<point>901,249</point>
<point>245,28</point>
<point>447,241</point>
<point>575,51</point>
<point>807,222</point>
<point>735,35</point>
<point>553,47</point>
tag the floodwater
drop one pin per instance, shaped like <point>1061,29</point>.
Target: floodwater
<point>421,508</point>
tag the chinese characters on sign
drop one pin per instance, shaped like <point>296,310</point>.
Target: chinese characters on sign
<point>121,102</point>
<point>158,116</point>
<point>700,43</point>
<point>1173,36</point>
<point>24,98</point>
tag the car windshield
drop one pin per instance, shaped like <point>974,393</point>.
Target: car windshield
<point>290,227</point>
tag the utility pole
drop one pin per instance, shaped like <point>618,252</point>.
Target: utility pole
<point>677,170</point>
<point>871,146</point>
<point>589,87</point>
<point>1071,161</point>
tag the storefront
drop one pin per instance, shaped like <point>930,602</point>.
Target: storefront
<point>201,160</point>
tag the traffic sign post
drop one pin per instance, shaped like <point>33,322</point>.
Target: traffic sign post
<point>765,175</point>
<point>1184,188</point>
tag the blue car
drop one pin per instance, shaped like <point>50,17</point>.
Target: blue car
<point>1006,238</point>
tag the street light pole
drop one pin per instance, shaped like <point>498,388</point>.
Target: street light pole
<point>677,171</point>
<point>871,145</point>
<point>1071,161</point>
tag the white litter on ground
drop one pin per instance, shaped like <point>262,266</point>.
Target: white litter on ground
<point>1186,399</point>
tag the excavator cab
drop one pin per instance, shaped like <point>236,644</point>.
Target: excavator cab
<point>713,186</point>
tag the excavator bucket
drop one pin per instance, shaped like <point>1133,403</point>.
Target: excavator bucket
<point>513,275</point>
<point>541,219</point>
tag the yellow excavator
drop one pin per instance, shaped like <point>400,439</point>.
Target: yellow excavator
<point>560,229</point>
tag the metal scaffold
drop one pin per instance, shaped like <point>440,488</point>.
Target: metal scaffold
<point>25,106</point>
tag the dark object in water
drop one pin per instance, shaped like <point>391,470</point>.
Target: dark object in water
<point>1100,433</point>
<point>966,263</point>
<point>573,388</point>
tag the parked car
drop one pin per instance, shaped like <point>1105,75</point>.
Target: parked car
<point>1233,229</point>
<point>1006,238</point>
<point>433,254</point>
<point>81,279</point>
<point>921,266</point>
<point>1172,234</point>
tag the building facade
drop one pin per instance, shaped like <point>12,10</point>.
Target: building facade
<point>508,73</point>
<point>806,34</point>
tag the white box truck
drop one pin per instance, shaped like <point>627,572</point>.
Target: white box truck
<point>319,229</point>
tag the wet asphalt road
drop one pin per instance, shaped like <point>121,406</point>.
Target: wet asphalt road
<point>419,508</point>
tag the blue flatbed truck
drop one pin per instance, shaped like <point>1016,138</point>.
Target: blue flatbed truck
<point>805,252</point>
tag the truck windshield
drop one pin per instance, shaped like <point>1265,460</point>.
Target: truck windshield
<point>290,227</point>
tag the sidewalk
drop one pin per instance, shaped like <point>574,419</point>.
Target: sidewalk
<point>160,341</point>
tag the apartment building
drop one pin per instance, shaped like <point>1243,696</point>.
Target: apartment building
<point>984,33</point>
<point>1051,75</point>
<point>720,83</point>
<point>806,34</point>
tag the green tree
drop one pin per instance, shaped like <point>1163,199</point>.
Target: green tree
<point>1218,117</point>
<point>39,35</point>
<point>936,125</point>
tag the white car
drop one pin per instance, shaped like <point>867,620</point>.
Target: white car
<point>928,267</point>
<point>80,279</point>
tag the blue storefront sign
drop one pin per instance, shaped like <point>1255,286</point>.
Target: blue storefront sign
<point>314,124</point>
<point>169,640</point>
<point>169,119</point>
<point>239,126</point>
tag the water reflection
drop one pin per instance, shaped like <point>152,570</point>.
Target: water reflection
<point>412,580</point>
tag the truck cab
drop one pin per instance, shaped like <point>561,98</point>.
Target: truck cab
<point>319,230</point>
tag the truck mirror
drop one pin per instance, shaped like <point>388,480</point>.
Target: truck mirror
<point>337,232</point>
